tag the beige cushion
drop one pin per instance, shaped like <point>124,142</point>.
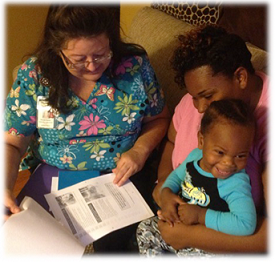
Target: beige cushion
<point>156,32</point>
<point>259,58</point>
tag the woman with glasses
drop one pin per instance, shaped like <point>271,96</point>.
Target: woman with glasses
<point>84,101</point>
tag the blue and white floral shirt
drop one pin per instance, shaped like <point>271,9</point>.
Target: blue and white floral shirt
<point>96,132</point>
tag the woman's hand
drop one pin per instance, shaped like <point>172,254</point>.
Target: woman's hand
<point>174,236</point>
<point>15,148</point>
<point>130,163</point>
<point>10,204</point>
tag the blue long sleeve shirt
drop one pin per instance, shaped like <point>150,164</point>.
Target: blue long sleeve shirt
<point>237,214</point>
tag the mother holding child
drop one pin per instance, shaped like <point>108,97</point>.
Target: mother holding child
<point>212,65</point>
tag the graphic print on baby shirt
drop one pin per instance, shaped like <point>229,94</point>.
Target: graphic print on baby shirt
<point>195,195</point>
<point>200,190</point>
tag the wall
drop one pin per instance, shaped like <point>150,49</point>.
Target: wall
<point>127,13</point>
<point>250,22</point>
<point>24,25</point>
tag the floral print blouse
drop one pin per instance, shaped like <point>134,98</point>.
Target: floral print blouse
<point>96,132</point>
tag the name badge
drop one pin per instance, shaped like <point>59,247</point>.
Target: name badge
<point>46,115</point>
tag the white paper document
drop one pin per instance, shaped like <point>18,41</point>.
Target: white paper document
<point>96,207</point>
<point>34,232</point>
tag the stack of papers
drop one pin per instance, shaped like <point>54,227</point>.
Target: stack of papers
<point>84,212</point>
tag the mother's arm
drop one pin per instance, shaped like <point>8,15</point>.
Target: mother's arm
<point>165,165</point>
<point>182,236</point>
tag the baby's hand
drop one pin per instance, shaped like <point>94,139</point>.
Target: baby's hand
<point>191,214</point>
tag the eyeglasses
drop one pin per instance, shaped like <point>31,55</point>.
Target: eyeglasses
<point>81,65</point>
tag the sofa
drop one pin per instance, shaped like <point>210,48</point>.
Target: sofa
<point>157,32</point>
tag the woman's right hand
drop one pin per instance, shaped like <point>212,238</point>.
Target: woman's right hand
<point>15,148</point>
<point>10,204</point>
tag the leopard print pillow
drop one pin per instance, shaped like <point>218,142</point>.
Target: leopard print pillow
<point>193,13</point>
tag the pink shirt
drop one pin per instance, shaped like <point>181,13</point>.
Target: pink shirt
<point>186,121</point>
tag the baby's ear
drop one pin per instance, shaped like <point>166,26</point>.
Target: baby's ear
<point>200,140</point>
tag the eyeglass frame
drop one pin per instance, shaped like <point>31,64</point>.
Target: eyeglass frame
<point>86,63</point>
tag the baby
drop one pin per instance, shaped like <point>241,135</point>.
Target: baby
<point>212,179</point>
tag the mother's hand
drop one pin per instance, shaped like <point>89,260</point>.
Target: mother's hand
<point>174,236</point>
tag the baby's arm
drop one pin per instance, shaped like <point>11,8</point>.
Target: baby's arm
<point>241,218</point>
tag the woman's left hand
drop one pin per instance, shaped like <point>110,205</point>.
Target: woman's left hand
<point>129,164</point>
<point>176,236</point>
